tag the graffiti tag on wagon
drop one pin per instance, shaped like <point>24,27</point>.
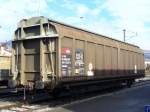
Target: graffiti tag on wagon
<point>79,61</point>
<point>66,65</point>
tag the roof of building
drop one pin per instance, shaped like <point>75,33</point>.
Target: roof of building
<point>5,50</point>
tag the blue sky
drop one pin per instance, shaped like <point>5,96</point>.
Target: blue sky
<point>107,17</point>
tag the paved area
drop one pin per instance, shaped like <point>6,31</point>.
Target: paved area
<point>28,108</point>
<point>128,100</point>
<point>5,103</point>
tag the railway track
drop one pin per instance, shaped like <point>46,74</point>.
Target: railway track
<point>6,93</point>
<point>69,99</point>
<point>19,96</point>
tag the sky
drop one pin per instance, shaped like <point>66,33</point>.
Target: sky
<point>106,17</point>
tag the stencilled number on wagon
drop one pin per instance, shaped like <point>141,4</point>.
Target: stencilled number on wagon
<point>66,65</point>
<point>79,62</point>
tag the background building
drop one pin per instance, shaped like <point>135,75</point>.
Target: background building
<point>147,61</point>
<point>5,61</point>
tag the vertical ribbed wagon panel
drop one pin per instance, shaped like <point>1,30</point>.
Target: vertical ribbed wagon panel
<point>126,62</point>
<point>135,63</point>
<point>130,62</point>
<point>79,63</point>
<point>139,64</point>
<point>142,64</point>
<point>48,58</point>
<point>121,68</point>
<point>99,61</point>
<point>16,55</point>
<point>108,60</point>
<point>66,57</point>
<point>32,63</point>
<point>90,56</point>
<point>32,59</point>
<point>114,61</point>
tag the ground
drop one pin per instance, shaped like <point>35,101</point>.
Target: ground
<point>128,100</point>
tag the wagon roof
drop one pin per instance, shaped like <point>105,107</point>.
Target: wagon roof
<point>46,20</point>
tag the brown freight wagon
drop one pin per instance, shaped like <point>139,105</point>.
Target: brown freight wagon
<point>51,54</point>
